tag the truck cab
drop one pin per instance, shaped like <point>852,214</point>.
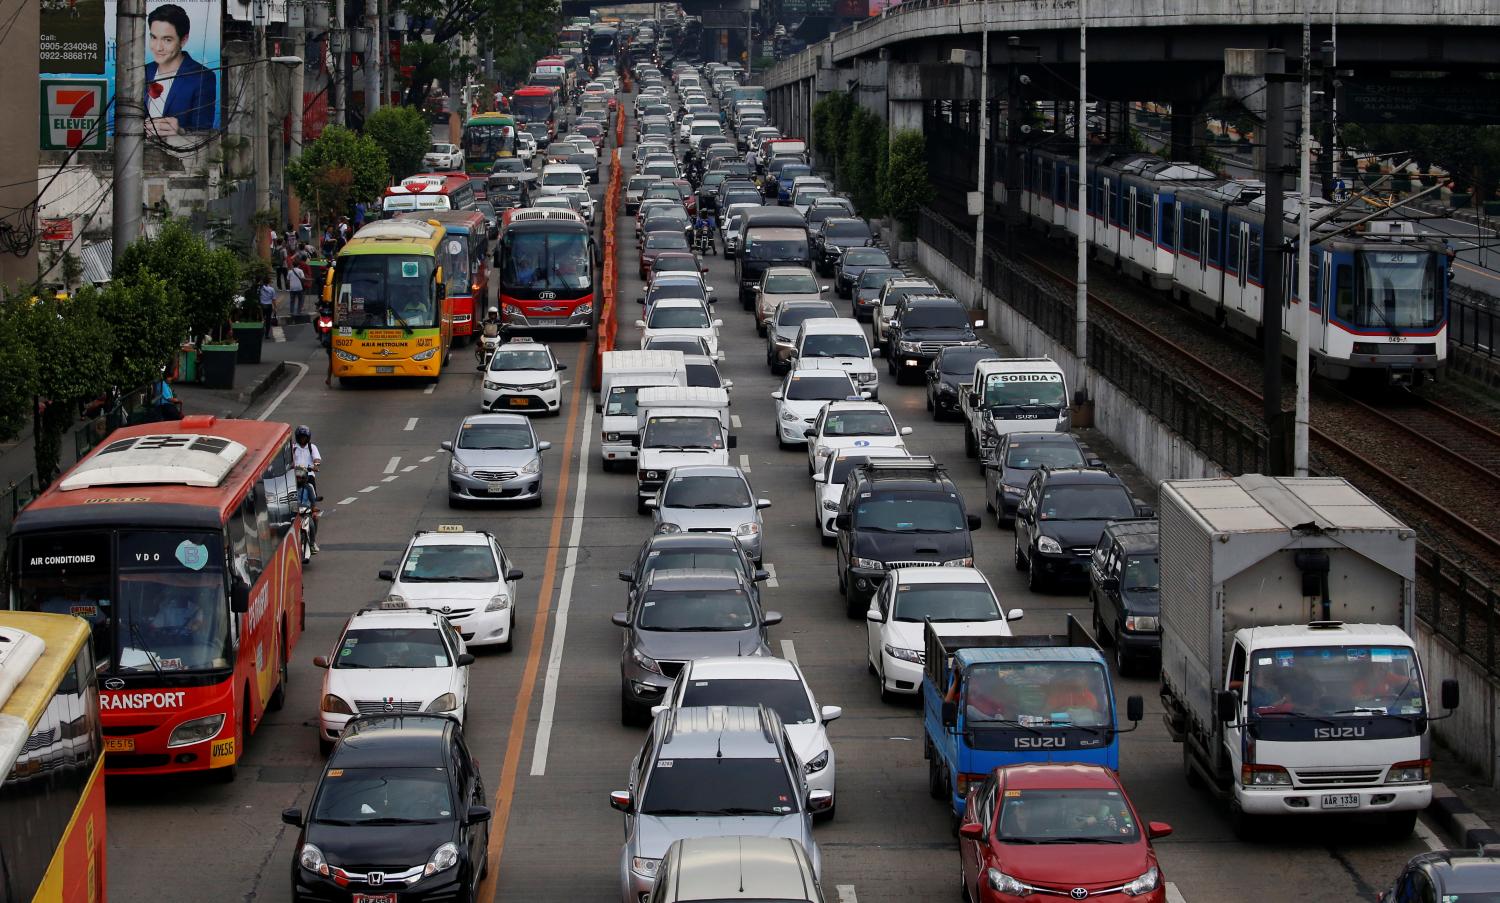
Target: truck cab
<point>989,701</point>
<point>1008,395</point>
<point>678,426</point>
<point>623,375</point>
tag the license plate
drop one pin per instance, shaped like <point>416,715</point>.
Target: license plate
<point>1340,801</point>
<point>119,744</point>
<point>385,369</point>
<point>374,898</point>
<point>519,402</point>
<point>495,487</point>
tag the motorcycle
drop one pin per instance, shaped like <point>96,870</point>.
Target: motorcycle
<point>305,516</point>
<point>485,349</point>
<point>323,326</point>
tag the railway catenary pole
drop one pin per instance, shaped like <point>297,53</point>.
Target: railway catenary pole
<point>984,144</point>
<point>1273,252</point>
<point>1012,144</point>
<point>1081,127</point>
<point>1304,258</point>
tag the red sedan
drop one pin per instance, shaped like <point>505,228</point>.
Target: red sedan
<point>1057,831</point>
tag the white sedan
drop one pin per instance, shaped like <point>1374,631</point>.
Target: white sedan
<point>680,317</point>
<point>803,393</point>
<point>465,572</point>
<point>958,599</point>
<point>392,660</point>
<point>522,376</point>
<point>852,424</point>
<point>772,682</point>
<point>444,157</point>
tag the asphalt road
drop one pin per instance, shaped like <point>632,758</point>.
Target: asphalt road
<point>544,719</point>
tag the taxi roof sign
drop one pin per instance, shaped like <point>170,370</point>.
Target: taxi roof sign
<point>450,528</point>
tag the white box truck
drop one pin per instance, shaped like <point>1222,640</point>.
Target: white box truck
<point>1010,395</point>
<point>678,426</point>
<point>1288,671</point>
<point>623,374</point>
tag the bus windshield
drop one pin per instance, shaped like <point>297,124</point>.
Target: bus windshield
<point>455,260</point>
<point>546,260</point>
<point>487,143</point>
<point>531,109</point>
<point>377,291</point>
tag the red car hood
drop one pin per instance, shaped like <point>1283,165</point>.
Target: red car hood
<point>1065,866</point>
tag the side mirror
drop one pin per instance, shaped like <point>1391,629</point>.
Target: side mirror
<point>972,830</point>
<point>950,712</point>
<point>974,522</point>
<point>1227,704</point>
<point>777,395</point>
<point>652,504</point>
<point>875,352</point>
<point>819,478</point>
<point>819,800</point>
<point>446,446</point>
<point>809,433</point>
<point>1145,511</point>
<point>620,800</point>
<point>762,504</point>
<point>771,618</point>
<point>477,815</point>
<point>733,442</point>
<point>320,661</point>
<point>824,288</point>
<point>640,324</point>
<point>842,521</point>
<point>1158,829</point>
<point>761,575</point>
<point>874,616</point>
<point>640,300</point>
<point>1450,693</point>
<point>905,431</point>
<point>627,576</point>
<point>514,574</point>
<point>292,817</point>
<point>543,446</point>
<point>561,367</point>
<point>726,384</point>
<point>620,618</point>
<point>1015,614</point>
<point>1135,708</point>
<point>239,597</point>
<point>465,659</point>
<point>830,713</point>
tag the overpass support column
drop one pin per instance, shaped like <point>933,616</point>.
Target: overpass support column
<point>1189,130</point>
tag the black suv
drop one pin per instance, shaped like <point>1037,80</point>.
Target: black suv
<point>838,233</point>
<point>953,364</point>
<point>1060,518</point>
<point>1443,875</point>
<point>400,812</point>
<point>922,326</point>
<point>898,512</point>
<point>1125,591</point>
<point>1009,464</point>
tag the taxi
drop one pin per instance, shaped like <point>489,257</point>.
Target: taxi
<point>522,375</point>
<point>465,575</point>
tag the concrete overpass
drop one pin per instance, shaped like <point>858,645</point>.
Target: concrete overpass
<point>910,62</point>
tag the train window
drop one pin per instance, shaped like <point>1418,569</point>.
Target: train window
<point>1191,233</point>
<point>1143,218</point>
<point>1232,251</point>
<point>1096,197</point>
<point>1315,267</point>
<point>1213,239</point>
<point>1168,224</point>
<point>1343,287</point>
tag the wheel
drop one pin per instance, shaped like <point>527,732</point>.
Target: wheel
<point>827,540</point>
<point>1098,622</point>
<point>1021,562</point>
<point>278,698</point>
<point>852,608</point>
<point>630,713</point>
<point>1189,773</point>
<point>1034,579</point>
<point>937,788</point>
<point>454,503</point>
<point>827,814</point>
<point>971,449</point>
<point>228,774</point>
<point>640,505</point>
<point>760,329</point>
<point>325,746</point>
<point>1399,825</point>
<point>930,406</point>
<point>963,884</point>
<point>1247,828</point>
<point>1122,658</point>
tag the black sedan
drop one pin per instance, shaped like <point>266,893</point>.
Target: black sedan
<point>853,262</point>
<point>952,366</point>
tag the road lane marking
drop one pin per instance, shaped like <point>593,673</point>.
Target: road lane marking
<point>745,463</point>
<point>1428,837</point>
<point>846,894</point>
<point>276,402</point>
<point>734,420</point>
<point>516,738</point>
<point>789,652</point>
<point>564,602</point>
<point>428,458</point>
<point>370,488</point>
<point>392,478</point>
<point>411,423</point>
<point>1173,894</point>
<point>409,468</point>
<point>350,500</point>
<point>431,387</point>
<point>771,580</point>
<point>392,464</point>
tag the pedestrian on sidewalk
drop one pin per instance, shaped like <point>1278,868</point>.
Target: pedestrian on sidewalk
<point>267,303</point>
<point>294,286</point>
<point>359,215</point>
<point>278,257</point>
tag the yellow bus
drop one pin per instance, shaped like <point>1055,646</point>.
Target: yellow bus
<point>391,314</point>
<point>52,757</point>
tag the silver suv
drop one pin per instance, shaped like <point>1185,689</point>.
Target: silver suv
<point>732,868</point>
<point>712,771</point>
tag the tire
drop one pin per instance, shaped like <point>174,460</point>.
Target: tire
<point>827,540</point>
<point>1034,580</point>
<point>278,697</point>
<point>1123,663</point>
<point>930,407</point>
<point>640,505</point>
<point>826,816</point>
<point>1189,773</point>
<point>971,448</point>
<point>1099,632</point>
<point>1247,828</point>
<point>937,787</point>
<point>852,608</point>
<point>1399,825</point>
<point>630,712</point>
<point>228,774</point>
<point>1021,562</point>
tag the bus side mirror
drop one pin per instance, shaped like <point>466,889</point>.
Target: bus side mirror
<point>239,597</point>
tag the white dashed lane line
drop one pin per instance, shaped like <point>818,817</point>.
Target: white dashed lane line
<point>745,463</point>
<point>1173,894</point>
<point>349,501</point>
<point>734,420</point>
<point>409,468</point>
<point>771,580</point>
<point>846,894</point>
<point>392,464</point>
<point>411,423</point>
<point>428,458</point>
<point>370,488</point>
<point>430,389</point>
<point>789,652</point>
<point>393,477</point>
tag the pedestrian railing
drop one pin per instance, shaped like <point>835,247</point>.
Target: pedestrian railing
<point>1473,322</point>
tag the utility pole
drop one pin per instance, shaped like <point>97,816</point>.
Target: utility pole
<point>258,125</point>
<point>984,146</point>
<point>1274,249</point>
<point>372,57</point>
<point>1304,259</point>
<point>336,71</point>
<point>1328,158</point>
<point>1012,144</point>
<point>130,123</point>
<point>1081,126</point>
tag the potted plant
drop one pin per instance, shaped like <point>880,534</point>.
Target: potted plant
<point>216,360</point>
<point>249,329</point>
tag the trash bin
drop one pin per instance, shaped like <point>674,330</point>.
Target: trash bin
<point>187,364</point>
<point>250,335</point>
<point>217,362</point>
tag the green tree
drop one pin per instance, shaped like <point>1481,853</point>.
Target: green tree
<point>17,368</point>
<point>72,342</point>
<point>404,134</point>
<point>907,186</point>
<point>830,121</point>
<point>858,161</point>
<point>520,30</point>
<point>201,281</point>
<point>339,168</point>
<point>148,322</point>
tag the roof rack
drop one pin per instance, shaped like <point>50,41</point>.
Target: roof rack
<point>914,466</point>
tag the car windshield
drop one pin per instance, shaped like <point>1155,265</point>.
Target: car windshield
<point>1142,574</point>
<point>846,229</point>
<point>666,241</point>
<point>530,359</point>
<point>665,264</point>
<point>1098,501</point>
<point>833,387</point>
<point>791,283</point>
<point>546,260</point>
<point>1030,456</point>
<point>923,513</point>
<point>704,376</point>
<point>694,317</point>
<point>776,249</point>
<point>946,602</point>
<point>693,559</point>
<point>640,183</point>
<point>787,698</point>
<point>495,436</point>
<point>1335,681</point>
<point>673,217</point>
<point>741,197</point>
<point>873,422</point>
<point>839,344</point>
<point>386,795</point>
<point>936,316</point>
<point>687,344</point>
<point>1009,389</point>
<point>392,647</point>
<point>707,492</point>
<point>555,178</point>
<point>1080,815</point>
<point>691,610</point>
<point>1038,694</point>
<point>719,786</point>
<point>683,432</point>
<point>449,563</point>
<point>677,290</point>
<point>622,401</point>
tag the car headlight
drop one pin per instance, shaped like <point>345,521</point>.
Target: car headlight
<point>830,505</point>
<point>645,662</point>
<point>311,858</point>
<point>1145,884</point>
<point>959,562</point>
<point>1147,623</point>
<point>424,355</point>
<point>336,706</point>
<point>866,378</point>
<point>345,356</point>
<point>1005,884</point>
<point>611,437</point>
<point>816,763</point>
<point>457,466</point>
<point>869,563</point>
<point>946,389</point>
<point>498,603</point>
<point>910,346</point>
<point>788,416</point>
<point>195,731</point>
<point>1048,545</point>
<point>493,387</point>
<point>443,858</point>
<point>548,386</point>
<point>1418,771</point>
<point>532,466</point>
<point>914,656</point>
<point>444,703</point>
<point>1012,490</point>
<point>650,475</point>
<point>669,528</point>
<point>1264,776</point>
<point>751,529</point>
<point>644,867</point>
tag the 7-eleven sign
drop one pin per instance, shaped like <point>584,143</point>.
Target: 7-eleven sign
<point>73,114</point>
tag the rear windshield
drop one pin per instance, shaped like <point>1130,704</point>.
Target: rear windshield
<point>719,786</point>
<point>776,249</point>
<point>789,283</point>
<point>563,177</point>
<point>707,610</point>
<point>788,698</point>
<point>846,229</point>
<point>837,345</point>
<point>859,423</point>
<point>834,387</point>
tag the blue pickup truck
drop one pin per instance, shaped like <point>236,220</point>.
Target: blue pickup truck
<point>989,701</point>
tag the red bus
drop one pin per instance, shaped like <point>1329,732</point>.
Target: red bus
<point>547,271</point>
<point>465,259</point>
<point>175,542</point>
<point>535,103</point>
<point>429,191</point>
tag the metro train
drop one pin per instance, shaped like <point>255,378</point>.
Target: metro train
<point>1380,291</point>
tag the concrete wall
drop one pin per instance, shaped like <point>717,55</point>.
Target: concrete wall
<point>20,140</point>
<point>1471,734</point>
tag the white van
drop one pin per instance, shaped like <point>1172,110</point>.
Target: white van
<point>678,426</point>
<point>622,376</point>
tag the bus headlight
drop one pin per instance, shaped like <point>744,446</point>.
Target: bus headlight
<point>424,355</point>
<point>345,356</point>
<point>196,731</point>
